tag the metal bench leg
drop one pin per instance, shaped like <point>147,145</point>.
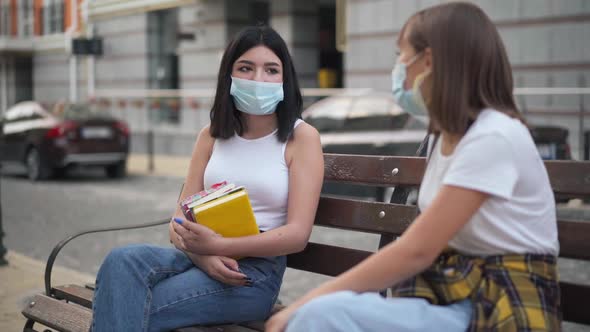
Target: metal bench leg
<point>29,326</point>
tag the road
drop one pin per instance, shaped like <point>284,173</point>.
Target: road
<point>39,215</point>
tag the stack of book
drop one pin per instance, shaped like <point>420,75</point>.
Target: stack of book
<point>225,208</point>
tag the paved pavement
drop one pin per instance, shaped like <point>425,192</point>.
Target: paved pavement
<point>23,277</point>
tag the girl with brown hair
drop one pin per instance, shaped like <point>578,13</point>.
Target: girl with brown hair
<point>482,254</point>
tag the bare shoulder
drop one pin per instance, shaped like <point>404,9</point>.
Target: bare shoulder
<point>304,144</point>
<point>205,141</point>
<point>305,134</point>
<point>205,133</point>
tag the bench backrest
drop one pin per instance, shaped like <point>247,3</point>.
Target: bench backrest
<point>568,179</point>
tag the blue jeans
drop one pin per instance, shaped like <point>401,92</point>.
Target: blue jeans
<point>352,312</point>
<point>149,288</point>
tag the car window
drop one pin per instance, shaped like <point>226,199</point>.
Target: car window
<point>21,113</point>
<point>374,114</point>
<point>79,112</point>
<point>12,115</point>
<point>371,106</point>
<point>377,122</point>
<point>329,115</point>
<point>361,113</point>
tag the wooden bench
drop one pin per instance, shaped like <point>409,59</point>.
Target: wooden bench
<point>67,308</point>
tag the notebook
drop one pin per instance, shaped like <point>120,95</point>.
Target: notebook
<point>226,210</point>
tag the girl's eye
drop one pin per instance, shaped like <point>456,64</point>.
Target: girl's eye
<point>272,71</point>
<point>244,69</point>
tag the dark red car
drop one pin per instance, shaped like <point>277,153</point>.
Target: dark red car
<point>49,143</point>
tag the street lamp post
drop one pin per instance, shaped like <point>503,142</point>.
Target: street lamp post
<point>2,248</point>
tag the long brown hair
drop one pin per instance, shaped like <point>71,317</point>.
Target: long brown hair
<point>470,67</point>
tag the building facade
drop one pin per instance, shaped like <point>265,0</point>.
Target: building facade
<point>177,44</point>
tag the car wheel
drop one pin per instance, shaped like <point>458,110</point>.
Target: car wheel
<point>36,170</point>
<point>117,170</point>
<point>60,172</point>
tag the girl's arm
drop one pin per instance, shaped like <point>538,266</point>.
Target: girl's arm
<point>306,175</point>
<point>413,252</point>
<point>193,182</point>
<point>306,172</point>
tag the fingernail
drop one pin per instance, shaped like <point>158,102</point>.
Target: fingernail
<point>248,284</point>
<point>178,220</point>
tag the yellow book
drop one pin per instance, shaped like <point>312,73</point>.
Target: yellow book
<point>230,215</point>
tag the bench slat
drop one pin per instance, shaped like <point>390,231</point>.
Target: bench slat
<point>257,326</point>
<point>84,295</point>
<point>373,170</point>
<point>574,301</point>
<point>59,315</point>
<point>326,259</point>
<point>219,328</point>
<point>74,293</point>
<point>574,239</point>
<point>364,216</point>
<point>574,236</point>
<point>570,178</point>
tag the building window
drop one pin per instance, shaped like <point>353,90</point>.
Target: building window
<point>26,18</point>
<point>58,16</point>
<point>53,14</point>
<point>5,18</point>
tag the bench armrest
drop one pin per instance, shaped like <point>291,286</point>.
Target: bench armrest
<point>61,244</point>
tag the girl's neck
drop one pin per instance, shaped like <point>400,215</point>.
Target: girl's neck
<point>448,143</point>
<point>259,125</point>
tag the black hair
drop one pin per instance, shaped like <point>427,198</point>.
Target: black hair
<point>226,120</point>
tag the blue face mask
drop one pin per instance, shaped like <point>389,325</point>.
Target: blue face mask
<point>253,97</point>
<point>410,101</point>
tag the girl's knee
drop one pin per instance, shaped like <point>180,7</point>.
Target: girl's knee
<point>322,311</point>
<point>332,302</point>
<point>124,255</point>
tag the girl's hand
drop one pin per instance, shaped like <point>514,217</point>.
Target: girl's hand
<point>222,269</point>
<point>278,322</point>
<point>197,239</point>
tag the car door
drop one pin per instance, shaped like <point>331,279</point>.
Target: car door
<point>15,130</point>
<point>11,133</point>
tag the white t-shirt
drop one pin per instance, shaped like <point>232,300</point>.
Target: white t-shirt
<point>497,156</point>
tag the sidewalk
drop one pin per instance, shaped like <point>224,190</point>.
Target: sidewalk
<point>23,276</point>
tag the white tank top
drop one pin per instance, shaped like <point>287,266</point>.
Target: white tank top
<point>259,165</point>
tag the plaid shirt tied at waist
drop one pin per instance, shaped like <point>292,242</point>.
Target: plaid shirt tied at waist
<point>509,293</point>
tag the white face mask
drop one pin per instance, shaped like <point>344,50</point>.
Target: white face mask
<point>411,100</point>
<point>253,97</point>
